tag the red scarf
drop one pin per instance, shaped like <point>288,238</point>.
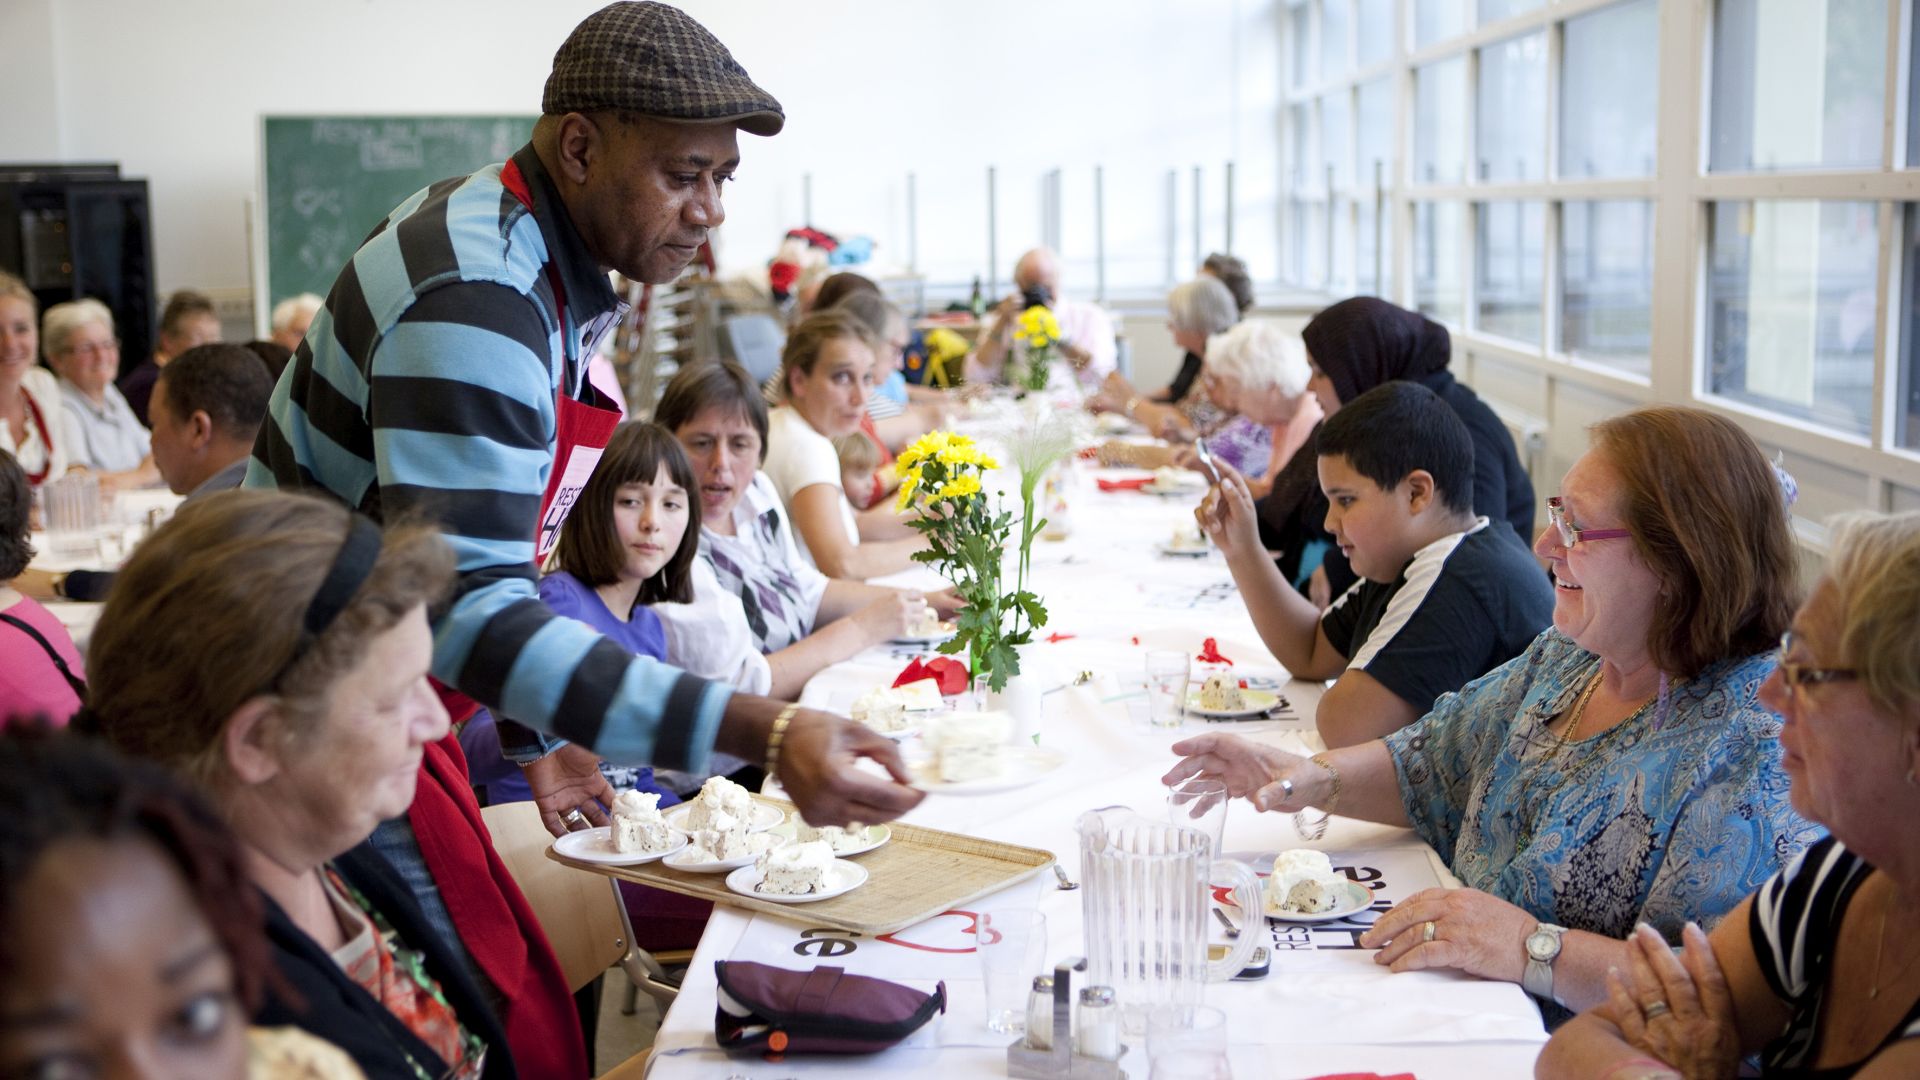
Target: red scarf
<point>494,920</point>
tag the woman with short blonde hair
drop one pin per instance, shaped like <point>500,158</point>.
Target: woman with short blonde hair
<point>30,411</point>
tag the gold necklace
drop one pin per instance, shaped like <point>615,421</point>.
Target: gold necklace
<point>1880,953</point>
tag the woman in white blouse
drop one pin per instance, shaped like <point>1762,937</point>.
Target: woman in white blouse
<point>750,580</point>
<point>101,431</point>
<point>827,372</point>
<point>30,415</point>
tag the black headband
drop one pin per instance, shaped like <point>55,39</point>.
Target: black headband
<point>350,570</point>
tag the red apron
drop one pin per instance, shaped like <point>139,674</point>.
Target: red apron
<point>491,916</point>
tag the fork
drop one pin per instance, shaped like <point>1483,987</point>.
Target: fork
<point>1206,458</point>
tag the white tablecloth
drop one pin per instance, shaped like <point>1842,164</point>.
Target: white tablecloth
<point>126,524</point>
<point>1322,1009</point>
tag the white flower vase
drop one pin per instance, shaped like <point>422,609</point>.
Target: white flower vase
<point>1022,700</point>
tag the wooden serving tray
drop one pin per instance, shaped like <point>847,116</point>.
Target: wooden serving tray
<point>918,874</point>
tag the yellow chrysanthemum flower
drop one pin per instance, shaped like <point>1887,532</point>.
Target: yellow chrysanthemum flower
<point>926,446</point>
<point>960,487</point>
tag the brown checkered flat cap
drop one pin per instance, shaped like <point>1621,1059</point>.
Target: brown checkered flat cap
<point>655,60</point>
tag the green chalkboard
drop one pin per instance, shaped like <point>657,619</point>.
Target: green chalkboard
<point>330,179</point>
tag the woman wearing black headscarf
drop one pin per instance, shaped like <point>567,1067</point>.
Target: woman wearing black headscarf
<point>1354,346</point>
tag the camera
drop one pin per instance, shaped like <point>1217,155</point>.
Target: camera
<point>1036,296</point>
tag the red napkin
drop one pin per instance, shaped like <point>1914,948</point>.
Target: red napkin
<point>951,674</point>
<point>1057,638</point>
<point>1210,652</point>
<point>1134,484</point>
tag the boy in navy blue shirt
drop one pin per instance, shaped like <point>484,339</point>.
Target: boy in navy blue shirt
<point>1442,598</point>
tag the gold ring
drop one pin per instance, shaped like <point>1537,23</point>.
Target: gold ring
<point>1426,935</point>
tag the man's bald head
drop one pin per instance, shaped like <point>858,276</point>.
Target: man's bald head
<point>1039,267</point>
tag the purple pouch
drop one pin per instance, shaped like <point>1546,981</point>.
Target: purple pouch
<point>766,1009</point>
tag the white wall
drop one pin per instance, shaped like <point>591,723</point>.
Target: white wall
<point>174,92</point>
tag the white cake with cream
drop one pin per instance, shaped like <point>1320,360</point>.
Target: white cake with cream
<point>880,709</point>
<point>795,869</point>
<point>724,839</point>
<point>835,837</point>
<point>638,827</point>
<point>970,746</point>
<point>928,625</point>
<point>1221,693</point>
<point>1188,537</point>
<point>1303,882</point>
<point>719,797</point>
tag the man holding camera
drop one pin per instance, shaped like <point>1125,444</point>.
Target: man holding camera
<point>1086,329</point>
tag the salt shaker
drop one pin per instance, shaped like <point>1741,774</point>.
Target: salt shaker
<point>1097,1024</point>
<point>1040,1013</point>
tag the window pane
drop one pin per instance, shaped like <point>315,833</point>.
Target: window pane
<point>1495,10</point>
<point>1304,157</point>
<point>1333,39</point>
<point>1436,260</point>
<point>1439,122</point>
<point>1790,295</point>
<point>1308,247</point>
<point>1342,281</point>
<point>1376,30</point>
<point>1436,20</point>
<point>1512,128</point>
<point>1376,132</point>
<point>1798,84</point>
<point>1508,267</point>
<point>1606,282</point>
<point>1301,31</point>
<point>1336,129</point>
<point>1907,416</point>
<point>1913,98</point>
<point>1609,74</point>
<point>1373,213</point>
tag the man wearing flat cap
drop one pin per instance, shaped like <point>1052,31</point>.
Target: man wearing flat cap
<point>445,377</point>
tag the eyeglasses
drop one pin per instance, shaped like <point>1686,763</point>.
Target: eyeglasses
<point>1569,536</point>
<point>1799,676</point>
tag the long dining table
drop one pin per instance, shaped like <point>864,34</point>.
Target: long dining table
<point>1112,594</point>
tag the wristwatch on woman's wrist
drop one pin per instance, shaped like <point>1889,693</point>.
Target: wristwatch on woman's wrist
<point>1543,947</point>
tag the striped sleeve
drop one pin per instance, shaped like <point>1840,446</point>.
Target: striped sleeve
<point>460,399</point>
<point>1794,909</point>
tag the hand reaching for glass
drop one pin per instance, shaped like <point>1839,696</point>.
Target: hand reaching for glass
<point>1268,777</point>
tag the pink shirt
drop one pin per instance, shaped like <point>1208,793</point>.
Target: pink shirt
<point>29,683</point>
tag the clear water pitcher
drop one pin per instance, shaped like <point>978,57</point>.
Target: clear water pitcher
<point>1145,899</point>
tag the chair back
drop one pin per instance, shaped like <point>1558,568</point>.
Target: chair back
<point>756,341</point>
<point>576,909</point>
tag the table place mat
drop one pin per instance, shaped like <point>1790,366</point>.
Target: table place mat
<point>920,873</point>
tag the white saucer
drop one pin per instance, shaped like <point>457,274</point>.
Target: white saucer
<point>842,877</point>
<point>596,846</point>
<point>877,836</point>
<point>764,817</point>
<point>926,640</point>
<point>1359,898</point>
<point>1023,765</point>
<point>1183,552</point>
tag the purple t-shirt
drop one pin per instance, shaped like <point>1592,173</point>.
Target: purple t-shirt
<point>568,595</point>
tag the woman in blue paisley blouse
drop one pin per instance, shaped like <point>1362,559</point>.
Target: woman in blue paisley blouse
<point>1621,770</point>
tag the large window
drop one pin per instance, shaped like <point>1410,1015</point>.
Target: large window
<point>1617,201</point>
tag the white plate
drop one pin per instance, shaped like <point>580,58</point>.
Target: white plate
<point>764,817</point>
<point>1258,701</point>
<point>842,877</point>
<point>928,640</point>
<point>1359,898</point>
<point>1174,491</point>
<point>680,860</point>
<point>596,846</point>
<point>877,836</point>
<point>1183,551</point>
<point>1023,765</point>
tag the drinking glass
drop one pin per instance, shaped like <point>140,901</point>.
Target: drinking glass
<point>1166,688</point>
<point>1200,803</point>
<point>1187,1042</point>
<point>1012,946</point>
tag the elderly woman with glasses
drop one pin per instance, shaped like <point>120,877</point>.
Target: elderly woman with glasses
<point>1819,971</point>
<point>100,430</point>
<point>1623,769</point>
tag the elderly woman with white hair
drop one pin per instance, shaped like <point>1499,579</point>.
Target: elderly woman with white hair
<point>101,432</point>
<point>1196,310</point>
<point>1256,373</point>
<point>292,316</point>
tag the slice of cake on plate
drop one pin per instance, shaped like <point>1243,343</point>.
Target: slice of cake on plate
<point>970,746</point>
<point>835,837</point>
<point>719,795</point>
<point>1221,693</point>
<point>795,869</point>
<point>638,827</point>
<point>723,839</point>
<point>1303,882</point>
